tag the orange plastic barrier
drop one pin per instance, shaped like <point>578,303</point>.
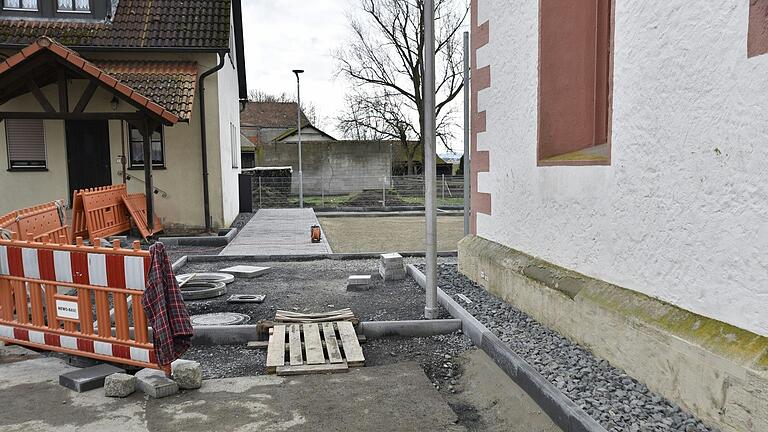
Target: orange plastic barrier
<point>137,206</point>
<point>79,229</point>
<point>38,223</point>
<point>49,295</point>
<point>105,213</point>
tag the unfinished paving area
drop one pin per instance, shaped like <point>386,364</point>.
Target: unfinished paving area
<point>437,383</point>
<point>363,399</point>
<point>278,232</point>
<point>360,234</point>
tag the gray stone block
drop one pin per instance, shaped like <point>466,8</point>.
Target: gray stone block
<point>89,378</point>
<point>187,374</point>
<point>155,384</point>
<point>359,283</point>
<point>119,385</point>
<point>247,272</point>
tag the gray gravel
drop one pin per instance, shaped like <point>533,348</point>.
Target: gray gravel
<point>228,361</point>
<point>313,286</point>
<point>619,402</point>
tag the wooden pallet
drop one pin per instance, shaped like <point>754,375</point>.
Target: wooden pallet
<point>301,349</point>
<point>346,314</point>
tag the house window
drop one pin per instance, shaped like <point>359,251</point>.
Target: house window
<point>757,36</point>
<point>234,145</point>
<point>74,5</point>
<point>25,140</point>
<point>137,147</point>
<point>574,82</point>
<point>25,5</point>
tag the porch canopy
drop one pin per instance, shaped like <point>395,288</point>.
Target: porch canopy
<point>46,62</point>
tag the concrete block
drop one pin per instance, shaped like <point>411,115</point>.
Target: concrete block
<point>187,374</point>
<point>247,272</point>
<point>393,274</point>
<point>119,385</point>
<point>391,257</point>
<point>359,283</point>
<point>155,384</point>
<point>87,379</point>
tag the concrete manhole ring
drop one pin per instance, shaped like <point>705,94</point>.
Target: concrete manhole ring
<point>202,290</point>
<point>219,319</point>
<point>206,277</point>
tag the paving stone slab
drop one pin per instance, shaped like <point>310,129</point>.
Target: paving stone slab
<point>119,385</point>
<point>187,374</point>
<point>359,283</point>
<point>89,378</point>
<point>155,384</point>
<point>247,272</point>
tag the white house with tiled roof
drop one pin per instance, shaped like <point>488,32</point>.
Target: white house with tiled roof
<point>177,65</point>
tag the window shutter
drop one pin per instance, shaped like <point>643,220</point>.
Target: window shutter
<point>26,142</point>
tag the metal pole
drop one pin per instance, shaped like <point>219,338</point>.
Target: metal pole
<point>467,155</point>
<point>260,203</point>
<point>442,188</point>
<point>298,72</point>
<point>384,192</point>
<point>430,169</point>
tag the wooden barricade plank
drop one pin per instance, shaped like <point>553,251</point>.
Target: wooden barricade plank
<point>36,312</point>
<point>137,206</point>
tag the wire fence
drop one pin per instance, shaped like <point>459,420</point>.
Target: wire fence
<point>353,191</point>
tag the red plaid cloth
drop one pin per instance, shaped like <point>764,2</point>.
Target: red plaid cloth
<point>165,309</point>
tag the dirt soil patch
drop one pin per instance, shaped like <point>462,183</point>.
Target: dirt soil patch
<point>382,234</point>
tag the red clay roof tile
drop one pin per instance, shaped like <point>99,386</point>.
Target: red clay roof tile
<point>169,86</point>
<point>136,24</point>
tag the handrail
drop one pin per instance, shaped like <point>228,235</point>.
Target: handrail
<point>156,189</point>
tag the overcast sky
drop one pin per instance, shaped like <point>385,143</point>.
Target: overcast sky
<point>282,35</point>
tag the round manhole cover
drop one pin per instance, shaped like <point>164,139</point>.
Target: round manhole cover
<point>219,319</point>
<point>202,290</point>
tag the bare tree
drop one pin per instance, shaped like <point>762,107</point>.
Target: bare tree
<point>385,61</point>
<point>377,116</point>
<point>257,95</point>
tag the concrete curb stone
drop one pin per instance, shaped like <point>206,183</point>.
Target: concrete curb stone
<point>562,410</point>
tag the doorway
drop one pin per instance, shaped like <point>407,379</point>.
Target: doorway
<point>88,159</point>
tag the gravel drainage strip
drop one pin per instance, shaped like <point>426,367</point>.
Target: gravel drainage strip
<point>617,401</point>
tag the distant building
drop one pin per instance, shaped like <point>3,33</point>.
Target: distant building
<point>270,138</point>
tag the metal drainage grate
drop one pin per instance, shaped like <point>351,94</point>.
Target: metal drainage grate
<point>219,319</point>
<point>246,298</point>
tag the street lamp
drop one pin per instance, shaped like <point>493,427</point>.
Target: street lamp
<point>298,73</point>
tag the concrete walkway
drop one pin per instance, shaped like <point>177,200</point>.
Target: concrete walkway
<point>278,232</point>
<point>376,399</point>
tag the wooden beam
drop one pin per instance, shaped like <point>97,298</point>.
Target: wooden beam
<point>146,134</point>
<point>86,97</point>
<point>63,91</point>
<point>38,94</point>
<point>135,116</point>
